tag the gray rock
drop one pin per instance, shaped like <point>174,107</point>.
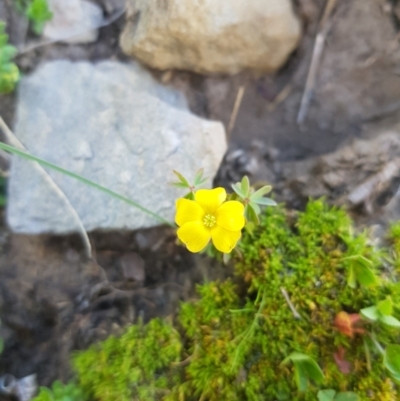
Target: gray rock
<point>73,21</point>
<point>113,124</point>
<point>211,36</point>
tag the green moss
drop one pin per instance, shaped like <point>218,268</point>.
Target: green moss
<point>296,273</point>
<point>138,365</point>
<point>60,392</point>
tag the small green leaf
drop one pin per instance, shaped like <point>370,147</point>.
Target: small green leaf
<point>264,201</point>
<point>391,359</point>
<point>238,189</point>
<point>295,356</point>
<point>390,321</point>
<point>386,306</point>
<point>313,370</point>
<point>396,377</point>
<point>351,278</point>
<point>38,12</point>
<point>305,367</point>
<point>245,186</point>
<point>365,275</point>
<point>179,184</point>
<point>370,313</point>
<point>346,396</point>
<point>198,179</point>
<point>261,192</point>
<point>181,178</point>
<point>300,377</point>
<point>7,52</point>
<point>326,395</point>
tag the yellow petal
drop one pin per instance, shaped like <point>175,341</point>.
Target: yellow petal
<point>194,235</point>
<point>230,216</point>
<point>224,240</point>
<point>210,199</point>
<point>188,210</point>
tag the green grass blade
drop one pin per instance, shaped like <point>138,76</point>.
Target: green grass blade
<point>78,177</point>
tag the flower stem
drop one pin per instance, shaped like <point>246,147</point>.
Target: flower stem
<point>52,166</point>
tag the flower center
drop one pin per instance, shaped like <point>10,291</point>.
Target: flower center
<point>209,220</point>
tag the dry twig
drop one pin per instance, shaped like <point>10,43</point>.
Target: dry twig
<point>325,26</point>
<point>363,191</point>
<point>235,110</point>
<point>289,302</point>
<point>14,141</point>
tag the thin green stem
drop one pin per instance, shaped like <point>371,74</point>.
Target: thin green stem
<point>78,177</point>
<point>367,355</point>
<point>250,331</point>
<point>376,343</point>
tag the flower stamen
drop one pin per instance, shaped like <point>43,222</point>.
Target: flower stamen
<point>209,220</point>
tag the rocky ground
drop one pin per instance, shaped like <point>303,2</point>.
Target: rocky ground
<point>52,300</point>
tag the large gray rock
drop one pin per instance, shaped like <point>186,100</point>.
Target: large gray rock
<point>211,36</point>
<point>115,125</point>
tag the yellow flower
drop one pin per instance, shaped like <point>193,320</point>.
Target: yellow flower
<point>209,217</point>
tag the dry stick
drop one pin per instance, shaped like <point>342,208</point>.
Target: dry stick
<point>13,140</point>
<point>235,110</point>
<point>289,302</point>
<point>280,97</point>
<point>315,61</point>
<point>363,191</point>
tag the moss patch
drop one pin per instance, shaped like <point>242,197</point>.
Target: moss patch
<point>295,275</point>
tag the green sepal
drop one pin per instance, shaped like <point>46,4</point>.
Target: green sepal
<point>189,196</point>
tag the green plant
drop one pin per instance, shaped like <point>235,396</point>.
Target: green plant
<point>60,392</point>
<point>37,11</point>
<point>9,73</point>
<point>289,326</point>
<point>139,365</point>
